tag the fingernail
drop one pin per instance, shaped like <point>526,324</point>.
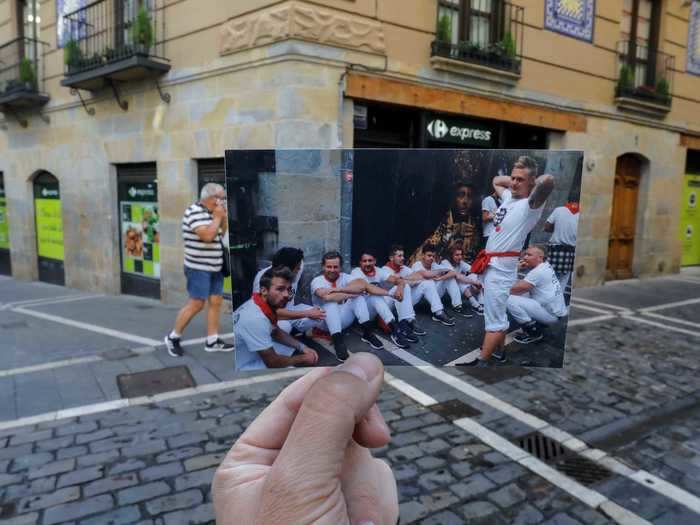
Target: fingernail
<point>355,370</point>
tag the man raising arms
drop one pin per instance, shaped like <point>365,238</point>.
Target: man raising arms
<point>523,195</point>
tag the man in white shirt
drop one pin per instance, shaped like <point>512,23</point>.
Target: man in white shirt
<point>523,195</point>
<point>421,288</point>
<point>259,342</point>
<point>468,282</point>
<point>342,298</point>
<point>399,296</point>
<point>443,277</point>
<point>489,206</point>
<point>537,298</point>
<point>563,223</point>
<point>299,317</point>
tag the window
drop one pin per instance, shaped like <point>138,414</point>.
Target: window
<point>473,21</point>
<point>640,29</point>
<point>29,23</point>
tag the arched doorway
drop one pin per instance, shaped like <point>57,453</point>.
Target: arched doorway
<point>49,228</point>
<point>624,217</point>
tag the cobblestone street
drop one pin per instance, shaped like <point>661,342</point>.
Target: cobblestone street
<point>627,400</point>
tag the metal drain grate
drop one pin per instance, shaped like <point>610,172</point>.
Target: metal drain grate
<point>455,409</point>
<point>154,382</point>
<point>565,461</point>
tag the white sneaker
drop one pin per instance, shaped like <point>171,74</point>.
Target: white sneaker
<point>218,346</point>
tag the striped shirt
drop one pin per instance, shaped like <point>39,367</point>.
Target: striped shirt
<point>200,255</point>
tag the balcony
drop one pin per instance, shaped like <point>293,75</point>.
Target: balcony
<point>644,80</point>
<point>113,40</point>
<point>492,48</point>
<point>21,79</point>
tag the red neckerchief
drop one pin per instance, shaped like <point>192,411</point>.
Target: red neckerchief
<point>262,304</point>
<point>573,207</point>
<point>374,272</point>
<point>333,283</point>
<point>393,266</point>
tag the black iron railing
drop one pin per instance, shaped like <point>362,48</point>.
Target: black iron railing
<point>108,31</point>
<point>20,66</point>
<point>488,33</point>
<point>644,73</point>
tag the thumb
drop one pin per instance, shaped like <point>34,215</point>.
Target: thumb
<point>316,445</point>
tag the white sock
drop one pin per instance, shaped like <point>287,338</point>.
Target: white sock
<point>473,301</point>
<point>174,335</point>
<point>211,339</point>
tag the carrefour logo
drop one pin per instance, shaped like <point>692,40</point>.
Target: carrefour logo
<point>439,129</point>
<point>147,192</point>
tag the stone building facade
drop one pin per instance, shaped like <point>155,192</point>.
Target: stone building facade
<point>115,109</point>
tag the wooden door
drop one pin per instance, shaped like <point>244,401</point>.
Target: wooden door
<point>624,218</point>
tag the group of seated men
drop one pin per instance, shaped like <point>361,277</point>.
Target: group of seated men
<point>264,326</point>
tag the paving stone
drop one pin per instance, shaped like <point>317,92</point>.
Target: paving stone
<point>10,479</point>
<point>191,438</point>
<point>128,465</point>
<point>462,469</point>
<point>435,479</point>
<point>31,461</point>
<point>95,436</point>
<point>78,477</point>
<point>178,501</point>
<point>201,462</point>
<point>22,519</point>
<point>111,443</point>
<point>195,479</point>
<point>55,444</point>
<point>430,462</point>
<point>77,428</point>
<point>50,469</point>
<point>99,458</point>
<point>144,448</point>
<point>78,509</point>
<point>434,446</point>
<point>438,500</point>
<point>201,514</point>
<point>38,486</point>
<point>438,430</point>
<point>229,431</point>
<point>507,496</point>
<point>408,453</point>
<point>527,515</point>
<point>405,471</point>
<point>165,470</point>
<point>111,484</point>
<point>408,438</point>
<point>443,518</point>
<point>481,512</point>
<point>474,486</point>
<point>562,519</point>
<point>505,473</point>
<point>142,493</point>
<point>122,515</point>
<point>179,455</point>
<point>591,517</point>
<point>411,511</point>
<point>48,500</point>
<point>71,452</point>
<point>31,437</point>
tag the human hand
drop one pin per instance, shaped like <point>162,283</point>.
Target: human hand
<point>219,212</point>
<point>305,458</point>
<point>398,294</point>
<point>308,356</point>
<point>316,313</point>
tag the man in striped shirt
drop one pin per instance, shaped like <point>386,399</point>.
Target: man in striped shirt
<point>203,224</point>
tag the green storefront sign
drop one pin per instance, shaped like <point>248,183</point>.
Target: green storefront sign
<point>690,221</point>
<point>140,243</point>
<point>4,224</point>
<point>49,222</point>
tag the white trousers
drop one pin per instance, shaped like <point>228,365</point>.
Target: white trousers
<point>452,288</point>
<point>303,324</point>
<point>340,316</point>
<point>563,280</point>
<point>382,305</point>
<point>497,285</point>
<point>525,309</point>
<point>428,290</point>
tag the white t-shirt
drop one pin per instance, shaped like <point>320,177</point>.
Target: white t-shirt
<point>252,333</point>
<point>319,282</point>
<point>404,272</point>
<point>489,205</point>
<point>565,226</point>
<point>295,283</point>
<point>380,275</point>
<point>464,268</point>
<point>546,289</point>
<point>418,267</point>
<point>513,222</point>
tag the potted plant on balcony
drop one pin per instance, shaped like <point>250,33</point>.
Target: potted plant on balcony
<point>625,81</point>
<point>443,36</point>
<point>72,55</point>
<point>663,91</point>
<point>141,31</point>
<point>27,74</point>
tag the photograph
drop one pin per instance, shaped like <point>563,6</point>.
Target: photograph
<point>439,257</point>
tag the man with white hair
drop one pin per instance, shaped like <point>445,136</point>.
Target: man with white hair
<point>203,224</point>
